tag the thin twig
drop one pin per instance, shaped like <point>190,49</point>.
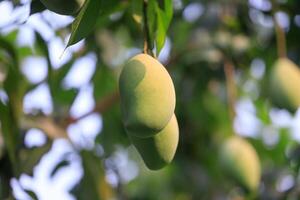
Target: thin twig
<point>147,40</point>
<point>279,32</point>
<point>230,86</point>
<point>47,124</point>
<point>103,105</point>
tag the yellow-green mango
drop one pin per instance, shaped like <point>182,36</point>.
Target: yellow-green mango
<point>241,161</point>
<point>285,84</point>
<point>147,96</point>
<point>159,150</point>
<point>63,7</point>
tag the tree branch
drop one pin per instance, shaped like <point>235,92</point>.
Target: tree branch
<point>55,130</point>
<point>103,105</point>
<point>46,124</point>
<point>230,86</point>
<point>279,32</point>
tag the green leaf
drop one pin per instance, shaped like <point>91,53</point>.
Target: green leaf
<point>151,16</point>
<point>31,194</point>
<point>10,133</point>
<point>31,157</point>
<point>54,84</point>
<point>278,153</point>
<point>66,97</point>
<point>168,9</point>
<point>41,45</point>
<point>164,18</point>
<point>8,47</point>
<point>59,94</point>
<point>85,21</point>
<point>93,184</point>
<point>60,165</point>
<point>136,8</point>
<point>15,84</point>
<point>5,177</point>
<point>104,82</point>
<point>36,6</point>
<point>108,8</point>
<point>113,131</point>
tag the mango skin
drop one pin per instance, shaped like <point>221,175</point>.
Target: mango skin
<point>241,161</point>
<point>159,150</point>
<point>147,96</point>
<point>63,7</point>
<point>285,84</point>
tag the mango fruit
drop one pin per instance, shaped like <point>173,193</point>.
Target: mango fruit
<point>159,150</point>
<point>241,161</point>
<point>63,7</point>
<point>285,84</point>
<point>147,96</point>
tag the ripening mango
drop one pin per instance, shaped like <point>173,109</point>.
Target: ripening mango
<point>159,150</point>
<point>241,161</point>
<point>63,7</point>
<point>285,84</point>
<point>147,96</point>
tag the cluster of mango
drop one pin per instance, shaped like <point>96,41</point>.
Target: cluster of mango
<point>148,103</point>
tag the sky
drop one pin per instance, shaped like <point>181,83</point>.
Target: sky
<point>35,69</point>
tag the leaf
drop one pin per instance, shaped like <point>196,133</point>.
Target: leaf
<point>60,165</point>
<point>113,131</point>
<point>85,21</point>
<point>151,16</point>
<point>42,46</point>
<point>107,8</point>
<point>5,177</point>
<point>65,97</point>
<point>168,9</point>
<point>278,153</point>
<point>93,184</point>
<point>59,94</point>
<point>59,74</point>
<point>10,133</point>
<point>36,6</point>
<point>15,87</point>
<point>8,47</point>
<point>31,157</point>
<point>164,18</point>
<point>104,82</point>
<point>31,194</point>
<point>136,8</point>
<point>15,84</point>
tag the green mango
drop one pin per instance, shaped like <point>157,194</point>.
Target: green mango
<point>63,7</point>
<point>159,150</point>
<point>285,84</point>
<point>147,96</point>
<point>241,161</point>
